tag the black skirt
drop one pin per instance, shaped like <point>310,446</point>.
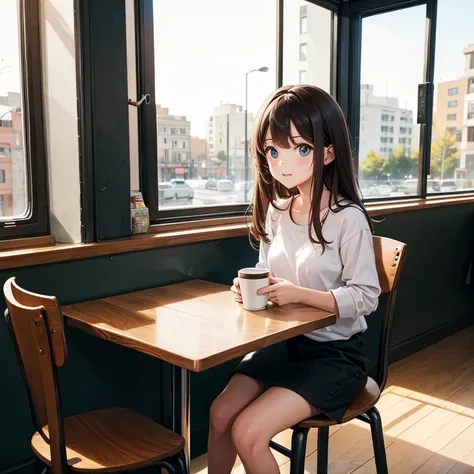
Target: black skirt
<point>328,375</point>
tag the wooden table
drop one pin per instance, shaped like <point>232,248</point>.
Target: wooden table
<point>194,326</point>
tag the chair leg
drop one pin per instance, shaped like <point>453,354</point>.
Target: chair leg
<point>323,446</point>
<point>181,461</point>
<point>298,450</point>
<point>169,465</point>
<point>377,440</point>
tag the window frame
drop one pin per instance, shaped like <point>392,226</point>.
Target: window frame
<point>148,136</point>
<point>345,83</point>
<point>366,8</point>
<point>36,221</point>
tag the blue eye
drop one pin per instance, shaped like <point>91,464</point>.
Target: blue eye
<point>272,152</point>
<point>304,150</point>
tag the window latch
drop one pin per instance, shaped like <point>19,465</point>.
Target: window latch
<point>145,98</point>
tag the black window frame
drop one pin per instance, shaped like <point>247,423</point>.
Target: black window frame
<point>36,221</point>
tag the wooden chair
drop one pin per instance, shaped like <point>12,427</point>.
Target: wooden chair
<point>109,440</point>
<point>389,256</point>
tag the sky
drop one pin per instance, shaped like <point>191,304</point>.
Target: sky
<point>204,48</point>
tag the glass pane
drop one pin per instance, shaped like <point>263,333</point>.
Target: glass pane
<point>307,44</point>
<point>206,64</point>
<point>392,68</point>
<point>452,143</point>
<point>13,189</point>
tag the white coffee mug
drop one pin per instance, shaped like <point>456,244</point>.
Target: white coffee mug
<point>250,281</point>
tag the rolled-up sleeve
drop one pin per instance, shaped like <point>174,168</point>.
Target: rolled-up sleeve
<point>360,291</point>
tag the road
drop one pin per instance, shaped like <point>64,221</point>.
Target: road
<point>204,197</point>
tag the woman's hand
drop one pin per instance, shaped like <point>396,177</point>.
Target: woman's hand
<point>281,292</point>
<point>235,288</point>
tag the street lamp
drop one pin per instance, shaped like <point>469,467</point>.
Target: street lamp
<point>246,151</point>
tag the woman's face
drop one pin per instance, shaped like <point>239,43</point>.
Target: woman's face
<point>290,166</point>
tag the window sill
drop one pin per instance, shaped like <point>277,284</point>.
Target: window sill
<point>168,235</point>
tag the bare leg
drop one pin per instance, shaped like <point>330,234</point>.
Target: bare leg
<point>271,413</point>
<point>239,393</point>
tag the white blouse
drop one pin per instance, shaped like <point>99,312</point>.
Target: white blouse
<point>346,268</point>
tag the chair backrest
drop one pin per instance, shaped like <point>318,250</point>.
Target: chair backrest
<point>32,337</point>
<point>389,258</point>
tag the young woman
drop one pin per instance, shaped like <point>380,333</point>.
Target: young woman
<point>316,241</point>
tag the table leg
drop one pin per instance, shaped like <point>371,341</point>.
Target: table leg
<point>181,408</point>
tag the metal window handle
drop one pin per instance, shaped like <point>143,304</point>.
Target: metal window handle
<point>145,98</point>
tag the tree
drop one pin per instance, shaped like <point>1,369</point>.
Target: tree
<point>444,156</point>
<point>222,156</point>
<point>399,165</point>
<point>372,166</point>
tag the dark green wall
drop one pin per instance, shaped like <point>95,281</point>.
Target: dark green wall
<point>433,301</point>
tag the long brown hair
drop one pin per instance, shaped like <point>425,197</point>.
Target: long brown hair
<point>319,120</point>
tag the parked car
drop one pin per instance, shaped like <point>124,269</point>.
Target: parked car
<point>165,191</point>
<point>211,184</point>
<point>448,185</point>
<point>181,189</point>
<point>225,185</point>
<point>410,186</point>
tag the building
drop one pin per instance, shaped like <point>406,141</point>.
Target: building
<point>315,45</point>
<point>198,149</point>
<point>226,138</point>
<point>466,165</point>
<point>174,146</point>
<point>13,188</point>
<point>384,125</point>
<point>450,113</point>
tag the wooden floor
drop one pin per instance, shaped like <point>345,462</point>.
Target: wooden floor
<point>428,416</point>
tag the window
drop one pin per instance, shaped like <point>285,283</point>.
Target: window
<point>470,85</point>
<point>383,87</point>
<point>448,152</point>
<point>24,210</point>
<point>452,103</point>
<point>303,19</point>
<point>470,134</point>
<point>303,50</point>
<point>210,105</point>
<point>165,140</point>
